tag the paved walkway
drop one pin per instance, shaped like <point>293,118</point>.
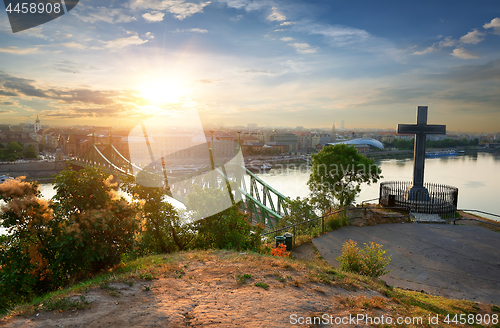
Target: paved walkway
<point>459,262</point>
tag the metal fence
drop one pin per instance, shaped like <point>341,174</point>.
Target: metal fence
<point>440,199</point>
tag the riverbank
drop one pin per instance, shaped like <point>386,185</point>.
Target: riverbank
<point>33,170</point>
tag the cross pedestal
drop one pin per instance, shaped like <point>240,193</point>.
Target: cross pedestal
<point>421,129</point>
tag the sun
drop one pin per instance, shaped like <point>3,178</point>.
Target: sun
<point>162,91</point>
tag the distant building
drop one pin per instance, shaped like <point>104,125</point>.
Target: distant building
<point>333,134</point>
<point>288,139</point>
<point>304,140</point>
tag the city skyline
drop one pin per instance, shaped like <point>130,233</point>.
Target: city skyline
<point>274,63</point>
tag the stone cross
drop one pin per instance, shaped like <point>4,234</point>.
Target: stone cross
<point>421,129</point>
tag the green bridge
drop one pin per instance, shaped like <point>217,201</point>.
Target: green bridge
<point>263,203</point>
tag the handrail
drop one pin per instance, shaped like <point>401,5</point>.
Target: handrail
<point>368,200</point>
<point>463,210</point>
<point>328,214</point>
<point>304,222</point>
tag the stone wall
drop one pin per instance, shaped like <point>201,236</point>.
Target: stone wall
<point>32,169</point>
<point>366,216</point>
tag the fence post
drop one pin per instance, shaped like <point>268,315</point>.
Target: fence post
<point>323,224</point>
<point>293,239</point>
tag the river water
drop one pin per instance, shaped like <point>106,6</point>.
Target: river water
<point>477,176</point>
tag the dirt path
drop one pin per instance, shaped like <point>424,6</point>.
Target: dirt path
<point>207,293</point>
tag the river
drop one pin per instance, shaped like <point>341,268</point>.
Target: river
<point>477,176</point>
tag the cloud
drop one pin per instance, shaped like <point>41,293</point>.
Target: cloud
<point>276,15</point>
<point>179,8</point>
<point>194,30</point>
<point>105,14</point>
<point>72,102</point>
<point>15,86</point>
<point>494,24</point>
<point>248,5</point>
<point>303,48</point>
<point>447,42</point>
<point>472,73</point>
<point>125,42</point>
<point>259,72</point>
<point>73,45</point>
<point>18,51</point>
<point>287,23</point>
<point>464,54</point>
<point>207,81</point>
<point>237,18</point>
<point>287,38</point>
<point>8,93</point>
<point>154,16</point>
<point>35,32</point>
<point>473,37</point>
<point>149,35</point>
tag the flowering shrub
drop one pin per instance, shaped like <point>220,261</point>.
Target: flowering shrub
<point>369,261</point>
<point>280,251</point>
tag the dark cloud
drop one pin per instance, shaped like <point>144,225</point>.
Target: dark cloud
<point>6,103</point>
<point>20,86</point>
<point>74,103</point>
<point>8,93</point>
<point>85,96</point>
<point>468,101</point>
<point>390,96</point>
<point>472,73</point>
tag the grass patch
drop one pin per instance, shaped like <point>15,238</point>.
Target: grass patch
<point>242,278</point>
<point>262,285</point>
<point>64,303</point>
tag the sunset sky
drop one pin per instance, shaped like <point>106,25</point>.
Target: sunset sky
<point>277,63</point>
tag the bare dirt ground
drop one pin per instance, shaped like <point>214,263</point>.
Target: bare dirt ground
<point>207,293</point>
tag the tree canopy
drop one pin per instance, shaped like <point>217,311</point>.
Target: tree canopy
<point>337,174</point>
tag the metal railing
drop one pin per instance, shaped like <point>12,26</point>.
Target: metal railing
<point>309,227</point>
<point>439,199</point>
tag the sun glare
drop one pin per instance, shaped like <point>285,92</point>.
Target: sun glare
<point>163,91</point>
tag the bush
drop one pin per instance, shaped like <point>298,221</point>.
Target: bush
<point>369,261</point>
<point>338,222</point>
<point>86,229</point>
<point>98,226</point>
<point>228,229</point>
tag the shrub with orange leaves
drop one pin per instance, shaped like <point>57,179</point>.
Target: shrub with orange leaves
<point>280,251</point>
<point>49,243</point>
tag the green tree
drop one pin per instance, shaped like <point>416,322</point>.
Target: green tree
<point>228,229</point>
<point>164,230</point>
<point>299,211</point>
<point>30,152</point>
<point>14,147</point>
<point>337,173</point>
<point>26,252</point>
<point>98,225</point>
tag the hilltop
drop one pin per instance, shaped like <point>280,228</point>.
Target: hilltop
<point>226,289</point>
